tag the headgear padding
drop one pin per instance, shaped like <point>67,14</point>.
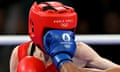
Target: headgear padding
<point>50,15</point>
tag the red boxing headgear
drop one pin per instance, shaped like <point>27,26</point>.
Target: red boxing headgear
<point>50,15</point>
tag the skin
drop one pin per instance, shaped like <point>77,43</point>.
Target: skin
<point>84,56</point>
<point>70,67</point>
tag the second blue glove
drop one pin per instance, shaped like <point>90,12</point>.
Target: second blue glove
<point>60,45</point>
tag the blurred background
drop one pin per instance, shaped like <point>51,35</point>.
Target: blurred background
<point>94,17</point>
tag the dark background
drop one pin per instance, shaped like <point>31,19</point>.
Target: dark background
<point>94,17</point>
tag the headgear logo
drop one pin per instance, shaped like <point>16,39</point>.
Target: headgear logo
<point>66,37</point>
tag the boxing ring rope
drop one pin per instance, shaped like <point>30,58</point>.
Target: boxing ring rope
<point>90,39</point>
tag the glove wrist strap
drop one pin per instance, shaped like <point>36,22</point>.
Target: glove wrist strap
<point>60,59</point>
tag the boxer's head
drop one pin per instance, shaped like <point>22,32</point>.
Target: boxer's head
<point>50,15</point>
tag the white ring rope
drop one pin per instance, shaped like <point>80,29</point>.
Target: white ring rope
<point>90,39</point>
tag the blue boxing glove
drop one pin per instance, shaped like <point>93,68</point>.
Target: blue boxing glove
<point>60,45</point>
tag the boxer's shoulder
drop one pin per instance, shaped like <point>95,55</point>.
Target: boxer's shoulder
<point>20,47</point>
<point>23,49</point>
